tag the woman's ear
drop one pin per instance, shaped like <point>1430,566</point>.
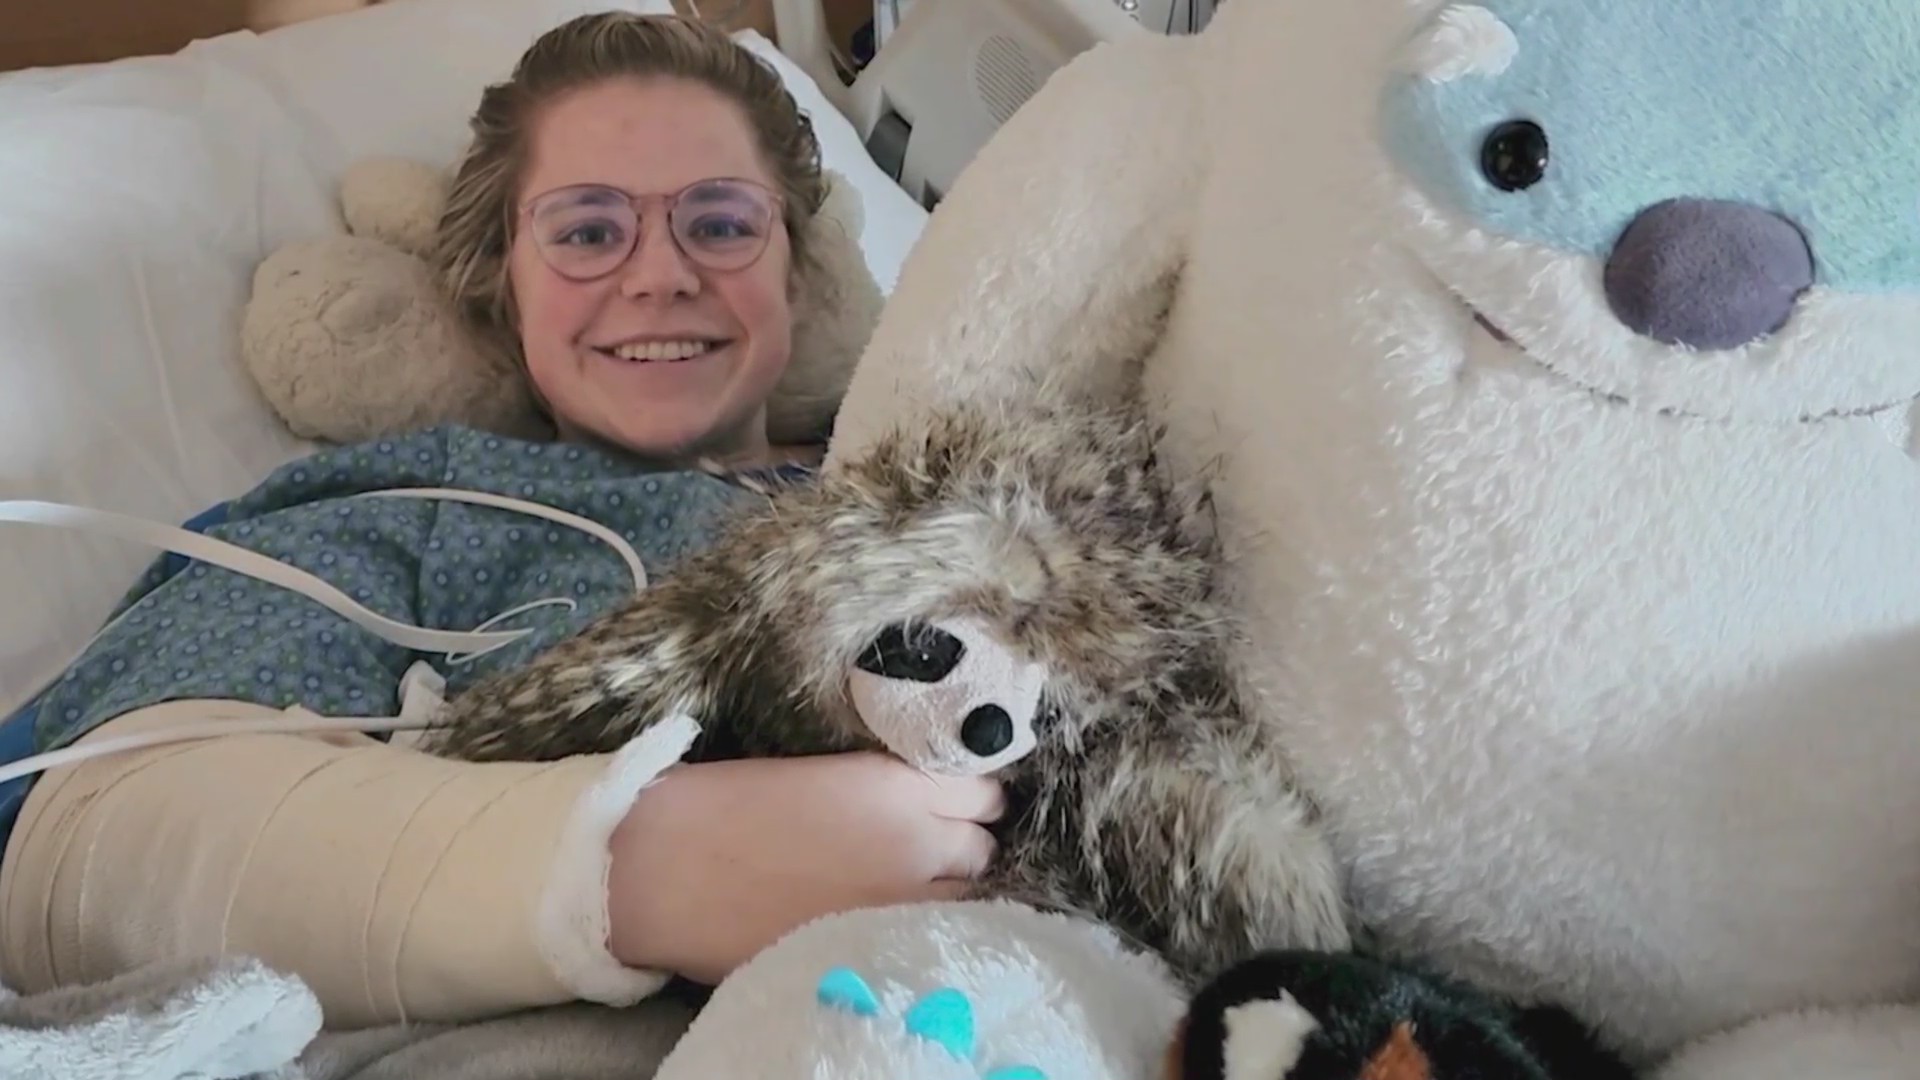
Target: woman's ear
<point>836,303</point>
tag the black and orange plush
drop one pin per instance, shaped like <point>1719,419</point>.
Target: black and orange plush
<point>1335,1016</point>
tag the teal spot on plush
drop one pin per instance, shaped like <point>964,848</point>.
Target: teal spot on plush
<point>944,1017</point>
<point>1799,107</point>
<point>1015,1072</point>
<point>843,988</point>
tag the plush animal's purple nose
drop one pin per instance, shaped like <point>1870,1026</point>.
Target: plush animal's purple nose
<point>1707,274</point>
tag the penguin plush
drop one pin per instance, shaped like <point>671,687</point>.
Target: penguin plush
<point>1301,1015</point>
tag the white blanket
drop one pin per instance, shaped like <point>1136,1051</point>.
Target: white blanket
<point>236,1019</point>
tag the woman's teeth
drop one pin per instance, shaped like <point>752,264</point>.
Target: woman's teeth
<point>661,350</point>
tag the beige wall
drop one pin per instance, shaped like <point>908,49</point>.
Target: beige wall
<point>37,32</point>
<point>844,17</point>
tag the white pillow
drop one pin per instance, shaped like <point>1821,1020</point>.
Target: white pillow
<point>135,200</point>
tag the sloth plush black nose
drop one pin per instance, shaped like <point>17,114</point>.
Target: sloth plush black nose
<point>920,654</point>
<point>987,730</point>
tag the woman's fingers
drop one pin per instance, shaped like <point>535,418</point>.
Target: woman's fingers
<point>977,799</point>
<point>968,853</point>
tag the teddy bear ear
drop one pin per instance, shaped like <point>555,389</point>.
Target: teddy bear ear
<point>397,201</point>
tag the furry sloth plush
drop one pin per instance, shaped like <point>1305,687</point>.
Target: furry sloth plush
<point>1042,555</point>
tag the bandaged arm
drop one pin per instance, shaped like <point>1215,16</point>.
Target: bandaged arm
<point>400,886</point>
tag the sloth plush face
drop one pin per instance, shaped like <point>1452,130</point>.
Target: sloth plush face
<point>977,590</point>
<point>949,697</point>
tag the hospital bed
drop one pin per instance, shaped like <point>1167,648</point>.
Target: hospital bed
<point>138,193</point>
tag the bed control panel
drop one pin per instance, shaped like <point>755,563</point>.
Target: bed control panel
<point>952,71</point>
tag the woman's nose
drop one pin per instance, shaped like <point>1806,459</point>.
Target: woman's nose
<point>657,267</point>
<point>1707,274</point>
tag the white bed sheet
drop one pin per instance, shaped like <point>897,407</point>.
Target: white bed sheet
<point>136,199</point>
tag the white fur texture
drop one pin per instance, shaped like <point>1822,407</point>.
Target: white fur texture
<point>1465,39</point>
<point>921,722</point>
<point>573,919</point>
<point>207,1019</point>
<point>1875,1043</point>
<point>1047,991</point>
<point>1613,706</point>
<point>1119,250</point>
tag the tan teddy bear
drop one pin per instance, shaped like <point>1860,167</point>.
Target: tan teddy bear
<point>349,336</point>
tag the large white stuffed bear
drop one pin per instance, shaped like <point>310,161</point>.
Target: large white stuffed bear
<point>1556,362</point>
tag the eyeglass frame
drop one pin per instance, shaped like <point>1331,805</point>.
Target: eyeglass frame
<point>636,202</point>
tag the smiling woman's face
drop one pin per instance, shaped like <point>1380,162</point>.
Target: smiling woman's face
<point>656,353</point>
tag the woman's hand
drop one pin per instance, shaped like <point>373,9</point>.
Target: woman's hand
<point>718,860</point>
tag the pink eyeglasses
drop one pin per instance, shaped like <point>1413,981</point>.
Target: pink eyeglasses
<point>586,231</point>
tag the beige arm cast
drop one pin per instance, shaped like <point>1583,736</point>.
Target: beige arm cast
<point>398,885</point>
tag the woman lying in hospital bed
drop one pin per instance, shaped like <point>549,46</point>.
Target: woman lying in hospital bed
<point>630,212</point>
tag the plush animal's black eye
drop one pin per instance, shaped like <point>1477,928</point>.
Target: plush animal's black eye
<point>1514,157</point>
<point>921,653</point>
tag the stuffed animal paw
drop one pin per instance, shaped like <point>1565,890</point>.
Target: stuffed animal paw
<point>986,990</point>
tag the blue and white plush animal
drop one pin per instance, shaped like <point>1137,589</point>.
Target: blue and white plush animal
<point>1556,361</point>
<point>951,991</point>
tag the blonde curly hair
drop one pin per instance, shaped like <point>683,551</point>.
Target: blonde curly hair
<point>475,232</point>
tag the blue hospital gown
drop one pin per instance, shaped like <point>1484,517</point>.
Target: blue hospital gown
<point>192,630</point>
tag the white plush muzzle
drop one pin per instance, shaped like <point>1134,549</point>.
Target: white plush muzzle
<point>977,719</point>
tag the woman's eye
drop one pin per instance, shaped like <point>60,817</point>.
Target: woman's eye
<point>721,228</point>
<point>590,234</point>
